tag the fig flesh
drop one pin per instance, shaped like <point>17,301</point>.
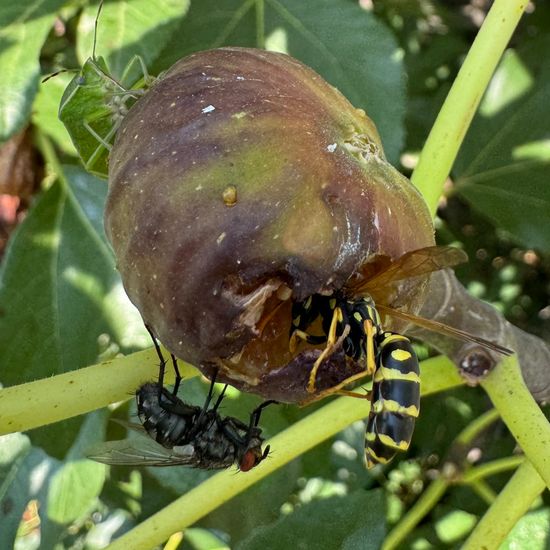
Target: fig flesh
<point>243,181</point>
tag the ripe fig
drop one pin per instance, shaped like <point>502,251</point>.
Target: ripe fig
<point>240,182</point>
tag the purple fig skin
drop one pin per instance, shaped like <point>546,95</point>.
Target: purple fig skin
<point>240,179</point>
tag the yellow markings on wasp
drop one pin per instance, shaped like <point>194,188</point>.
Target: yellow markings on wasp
<point>371,362</point>
<point>331,340</point>
<point>357,316</point>
<point>296,321</point>
<point>332,303</point>
<point>385,373</point>
<point>376,458</point>
<point>307,303</point>
<point>401,354</point>
<point>370,436</point>
<point>388,405</point>
<point>394,338</point>
<point>387,441</point>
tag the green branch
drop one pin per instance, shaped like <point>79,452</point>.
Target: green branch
<point>427,501</point>
<point>42,402</point>
<point>478,473</point>
<point>441,147</point>
<point>509,506</point>
<point>520,412</point>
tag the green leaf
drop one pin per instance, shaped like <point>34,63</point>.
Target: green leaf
<point>129,28</point>
<point>59,291</point>
<point>352,522</point>
<point>24,475</point>
<point>346,44</point>
<point>201,539</point>
<point>77,483</point>
<point>503,167</point>
<point>24,25</point>
<point>531,531</point>
<point>353,51</point>
<point>454,526</point>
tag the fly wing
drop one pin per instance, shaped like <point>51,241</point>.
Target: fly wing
<point>412,264</point>
<point>140,451</point>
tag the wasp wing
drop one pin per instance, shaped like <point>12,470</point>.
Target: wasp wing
<point>140,451</point>
<point>441,328</point>
<point>412,264</point>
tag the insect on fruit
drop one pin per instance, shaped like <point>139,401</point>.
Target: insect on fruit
<point>94,104</point>
<point>185,434</point>
<point>349,318</point>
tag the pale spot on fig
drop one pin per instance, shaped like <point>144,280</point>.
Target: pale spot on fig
<point>230,195</point>
<point>221,237</point>
<point>208,109</point>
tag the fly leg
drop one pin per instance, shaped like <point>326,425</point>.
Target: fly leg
<point>162,364</point>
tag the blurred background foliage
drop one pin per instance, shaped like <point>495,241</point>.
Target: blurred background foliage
<point>62,305</point>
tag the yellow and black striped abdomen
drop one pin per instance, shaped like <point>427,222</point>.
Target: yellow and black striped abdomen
<point>395,401</point>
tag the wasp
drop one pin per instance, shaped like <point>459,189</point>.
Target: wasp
<point>350,318</point>
<point>186,434</point>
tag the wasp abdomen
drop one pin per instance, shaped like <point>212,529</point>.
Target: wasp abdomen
<point>395,402</point>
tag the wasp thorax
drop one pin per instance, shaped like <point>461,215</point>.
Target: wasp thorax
<point>242,182</point>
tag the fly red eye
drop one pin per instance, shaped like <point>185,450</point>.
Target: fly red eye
<point>248,461</point>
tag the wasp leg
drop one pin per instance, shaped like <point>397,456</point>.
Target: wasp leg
<point>332,343</point>
<point>371,362</point>
<point>302,335</point>
<point>339,389</point>
<point>369,369</point>
<point>162,364</point>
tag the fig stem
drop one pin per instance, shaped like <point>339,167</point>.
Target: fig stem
<point>454,118</point>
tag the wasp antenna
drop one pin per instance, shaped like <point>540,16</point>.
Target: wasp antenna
<point>95,27</point>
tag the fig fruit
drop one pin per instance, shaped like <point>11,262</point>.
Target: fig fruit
<point>242,182</point>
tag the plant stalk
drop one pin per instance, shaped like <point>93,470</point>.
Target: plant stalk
<point>509,506</point>
<point>441,147</point>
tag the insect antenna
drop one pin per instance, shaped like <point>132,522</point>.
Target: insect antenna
<point>95,27</point>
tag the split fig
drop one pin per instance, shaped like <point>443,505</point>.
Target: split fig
<point>240,182</point>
